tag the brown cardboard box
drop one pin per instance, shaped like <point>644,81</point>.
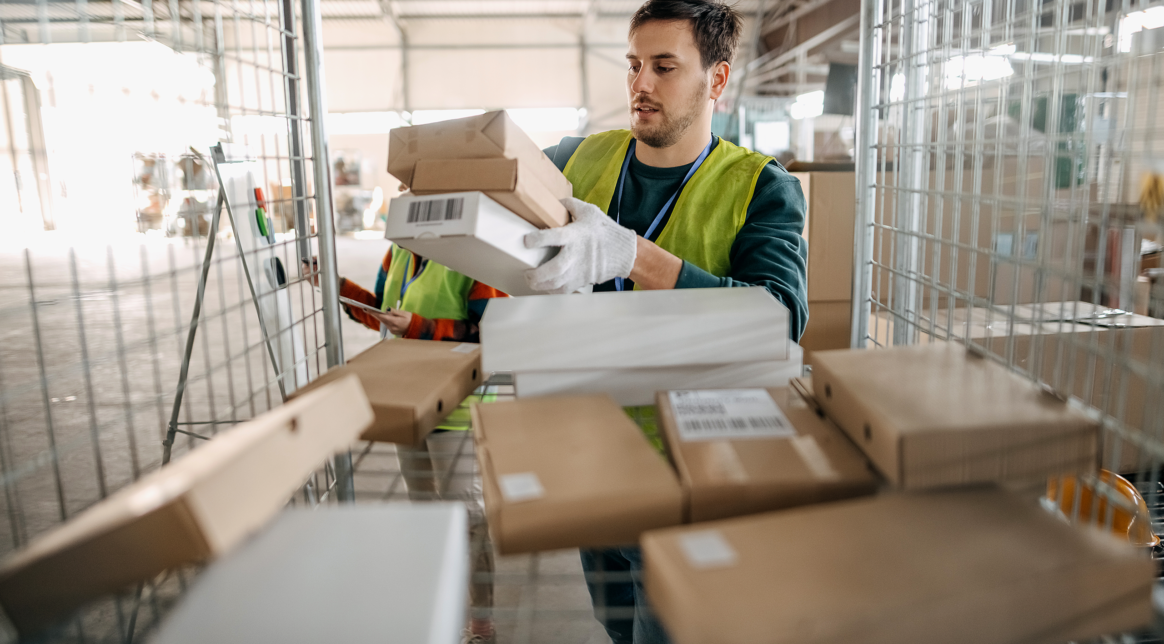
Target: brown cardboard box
<point>937,415</point>
<point>1068,356</point>
<point>802,459</point>
<point>509,182</point>
<point>832,212</point>
<point>487,136</point>
<point>412,385</point>
<point>568,472</point>
<point>195,509</point>
<point>960,567</point>
<point>829,327</point>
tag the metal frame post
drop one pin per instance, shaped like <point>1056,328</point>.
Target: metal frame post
<point>329,274</point>
<point>868,85</point>
<point>295,131</point>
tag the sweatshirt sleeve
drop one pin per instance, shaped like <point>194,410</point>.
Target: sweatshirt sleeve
<point>769,250</point>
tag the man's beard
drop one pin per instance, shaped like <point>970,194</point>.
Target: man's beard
<point>670,129</point>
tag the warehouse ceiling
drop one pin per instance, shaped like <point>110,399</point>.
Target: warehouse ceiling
<point>791,55</point>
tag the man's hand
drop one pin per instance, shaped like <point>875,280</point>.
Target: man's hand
<point>396,321</point>
<point>594,249</point>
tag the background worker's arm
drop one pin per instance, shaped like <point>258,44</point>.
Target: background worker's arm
<point>468,330</point>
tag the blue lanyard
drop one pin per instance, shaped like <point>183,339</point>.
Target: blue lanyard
<point>667,206</point>
<point>405,282</point>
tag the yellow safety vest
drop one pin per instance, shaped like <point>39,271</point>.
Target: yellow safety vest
<point>709,212</point>
<point>437,292</point>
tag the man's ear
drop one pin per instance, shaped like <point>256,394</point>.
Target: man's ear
<point>719,79</point>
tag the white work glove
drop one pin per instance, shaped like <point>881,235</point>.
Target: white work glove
<point>594,249</point>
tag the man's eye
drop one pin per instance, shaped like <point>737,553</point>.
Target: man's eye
<point>634,69</point>
<point>664,70</point>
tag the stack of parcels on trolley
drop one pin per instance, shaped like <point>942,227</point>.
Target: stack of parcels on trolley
<point>957,545</point>
<point>630,345</point>
<point>477,186</point>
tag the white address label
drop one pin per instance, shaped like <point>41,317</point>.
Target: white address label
<point>728,414</point>
<point>707,549</point>
<point>522,486</point>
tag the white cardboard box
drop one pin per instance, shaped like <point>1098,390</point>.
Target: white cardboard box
<point>356,574</point>
<point>634,329</point>
<point>632,387</point>
<point>471,234</point>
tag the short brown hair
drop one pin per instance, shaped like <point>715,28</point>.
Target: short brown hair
<point>716,26</point>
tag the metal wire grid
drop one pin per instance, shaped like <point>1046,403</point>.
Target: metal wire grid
<point>95,335</point>
<point>1000,153</point>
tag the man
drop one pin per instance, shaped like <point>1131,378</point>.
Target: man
<point>668,205</point>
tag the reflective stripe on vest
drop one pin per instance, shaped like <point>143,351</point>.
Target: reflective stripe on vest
<point>708,214</point>
<point>438,292</point>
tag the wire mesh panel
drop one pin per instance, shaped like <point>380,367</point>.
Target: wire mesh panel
<point>111,109</point>
<point>1008,180</point>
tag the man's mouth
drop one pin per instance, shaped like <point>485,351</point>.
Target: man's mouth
<point>645,109</point>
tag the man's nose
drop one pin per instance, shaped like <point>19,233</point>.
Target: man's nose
<point>642,83</point>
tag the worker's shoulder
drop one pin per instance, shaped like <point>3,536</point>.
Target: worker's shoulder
<point>561,152</point>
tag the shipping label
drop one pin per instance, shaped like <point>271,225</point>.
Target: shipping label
<point>728,414</point>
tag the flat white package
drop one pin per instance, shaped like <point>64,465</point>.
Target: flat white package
<point>634,329</point>
<point>471,234</point>
<point>637,386</point>
<point>354,574</point>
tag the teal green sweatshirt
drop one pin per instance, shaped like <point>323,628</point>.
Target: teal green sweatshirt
<point>768,251</point>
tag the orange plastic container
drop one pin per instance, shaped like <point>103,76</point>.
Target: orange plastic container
<point>1136,526</point>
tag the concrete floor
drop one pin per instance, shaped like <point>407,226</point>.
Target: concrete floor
<point>89,373</point>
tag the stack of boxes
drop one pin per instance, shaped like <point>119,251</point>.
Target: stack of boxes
<point>945,549</point>
<point>477,186</point>
<point>631,345</point>
<point>780,546</point>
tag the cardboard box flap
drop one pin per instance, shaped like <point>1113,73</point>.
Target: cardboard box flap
<point>573,471</point>
<point>975,566</point>
<point>200,506</point>
<point>938,415</point>
<point>412,385</point>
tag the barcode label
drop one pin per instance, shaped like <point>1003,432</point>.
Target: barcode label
<point>425,212</point>
<point>728,414</point>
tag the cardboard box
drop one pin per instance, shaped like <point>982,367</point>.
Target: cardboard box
<point>569,472</point>
<point>367,570</point>
<point>469,233</point>
<point>633,387</point>
<point>509,182</point>
<point>829,327</point>
<point>1074,352</point>
<point>743,451</point>
<point>832,215</point>
<point>938,415</point>
<point>491,135</point>
<point>412,385</point>
<point>960,567</point>
<point>195,509</point>
<point>634,329</point>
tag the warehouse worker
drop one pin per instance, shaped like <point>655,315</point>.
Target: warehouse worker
<point>668,205</point>
<point>423,300</point>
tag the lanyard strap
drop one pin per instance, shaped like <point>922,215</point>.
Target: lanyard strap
<point>405,282</point>
<point>667,206</point>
